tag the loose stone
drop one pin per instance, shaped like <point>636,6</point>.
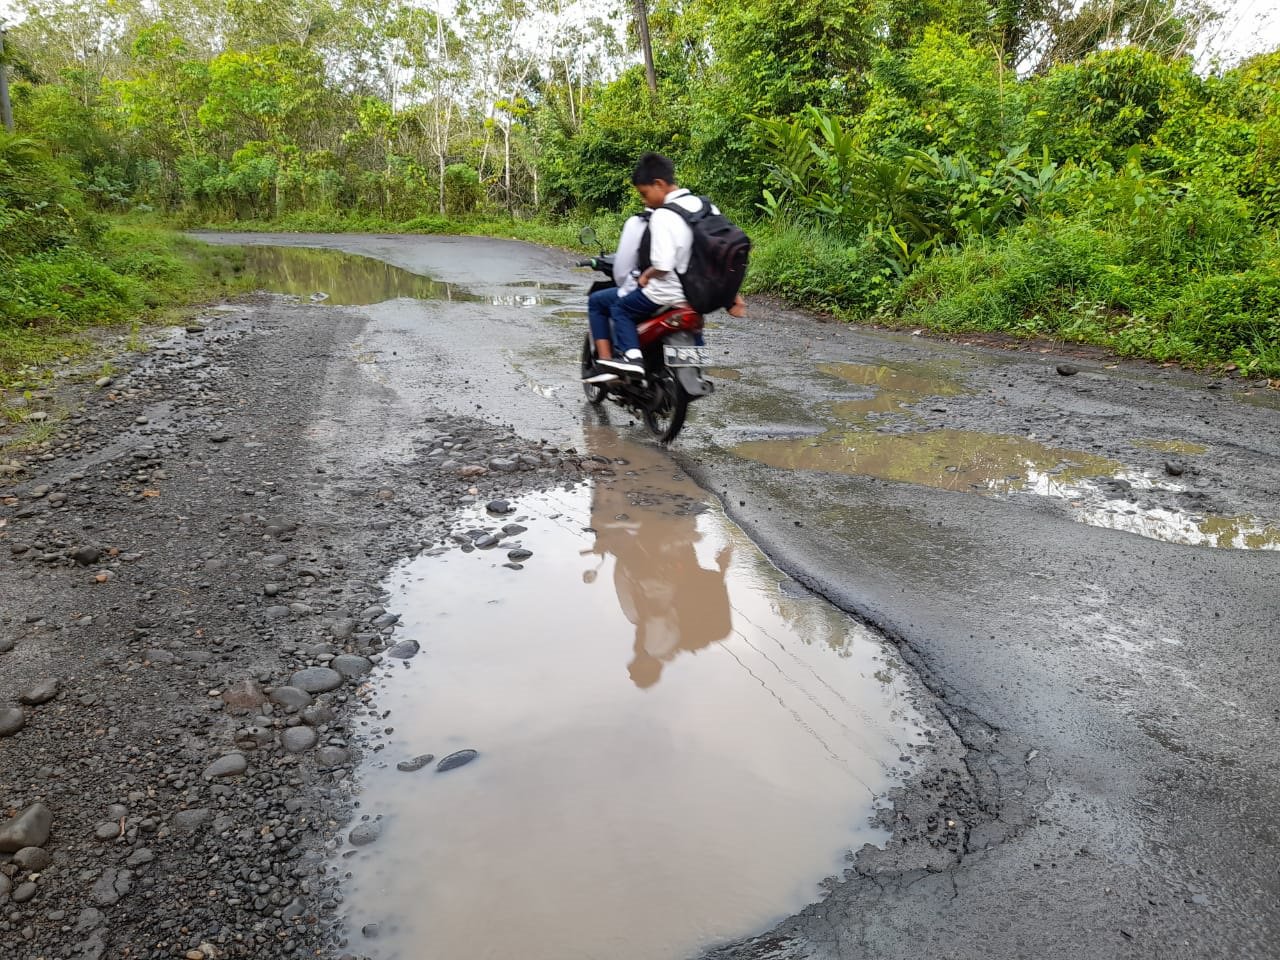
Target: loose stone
<point>416,764</point>
<point>366,833</point>
<point>455,760</point>
<point>232,765</point>
<point>351,666</point>
<point>30,828</point>
<point>299,739</point>
<point>291,697</point>
<point>316,680</point>
<point>12,719</point>
<point>42,692</point>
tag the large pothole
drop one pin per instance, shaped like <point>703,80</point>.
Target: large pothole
<point>675,744</point>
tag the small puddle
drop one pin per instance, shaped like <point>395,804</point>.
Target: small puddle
<point>348,279</point>
<point>947,459</point>
<point>1185,447</point>
<point>675,746</point>
<point>542,285</point>
<point>896,387</point>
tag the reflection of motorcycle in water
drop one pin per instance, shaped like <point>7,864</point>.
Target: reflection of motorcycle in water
<point>674,602</point>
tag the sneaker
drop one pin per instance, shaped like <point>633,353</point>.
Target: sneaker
<point>632,363</point>
<point>596,375</point>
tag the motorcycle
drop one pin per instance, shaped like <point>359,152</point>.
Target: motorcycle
<point>674,356</point>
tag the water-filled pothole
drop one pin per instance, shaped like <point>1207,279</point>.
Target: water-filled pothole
<point>876,439</point>
<point>347,279</point>
<point>674,747</point>
<point>339,278</point>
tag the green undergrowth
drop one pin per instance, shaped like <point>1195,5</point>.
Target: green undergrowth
<point>553,233</point>
<point>52,300</point>
<point>1172,294</point>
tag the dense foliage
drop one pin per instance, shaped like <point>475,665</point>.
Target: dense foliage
<point>1022,166</point>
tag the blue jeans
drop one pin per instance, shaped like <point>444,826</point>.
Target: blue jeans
<point>625,312</point>
<point>598,306</point>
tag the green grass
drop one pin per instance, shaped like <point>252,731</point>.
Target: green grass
<point>52,303</point>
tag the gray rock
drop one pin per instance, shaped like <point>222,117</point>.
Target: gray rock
<point>30,828</point>
<point>108,830</point>
<point>504,465</point>
<point>366,833</point>
<point>12,719</point>
<point>316,680</point>
<point>351,666</point>
<point>1174,469</point>
<point>7,644</point>
<point>6,887</point>
<point>455,760</point>
<point>41,692</point>
<point>487,542</point>
<point>416,764</point>
<point>140,857</point>
<point>500,507</point>
<point>1067,369</point>
<point>158,655</point>
<point>332,756</point>
<point>86,556</point>
<point>341,629</point>
<point>404,650</point>
<point>187,822</point>
<point>24,892</point>
<point>299,739</point>
<point>519,555</point>
<point>32,859</point>
<point>291,697</point>
<point>232,765</point>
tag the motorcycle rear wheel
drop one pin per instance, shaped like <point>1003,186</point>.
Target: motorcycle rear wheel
<point>666,421</point>
<point>594,391</point>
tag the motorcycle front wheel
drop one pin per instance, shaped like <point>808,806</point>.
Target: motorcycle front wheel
<point>594,391</point>
<point>667,417</point>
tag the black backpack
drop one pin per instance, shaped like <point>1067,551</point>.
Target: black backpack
<point>717,261</point>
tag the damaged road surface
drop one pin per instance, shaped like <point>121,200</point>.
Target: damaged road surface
<point>333,624</point>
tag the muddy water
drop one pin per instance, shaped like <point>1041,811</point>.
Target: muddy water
<point>675,745</point>
<point>348,279</point>
<point>876,439</point>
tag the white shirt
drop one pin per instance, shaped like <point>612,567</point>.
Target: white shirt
<point>625,267</point>
<point>671,242</point>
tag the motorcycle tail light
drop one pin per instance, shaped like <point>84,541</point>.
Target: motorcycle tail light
<point>673,321</point>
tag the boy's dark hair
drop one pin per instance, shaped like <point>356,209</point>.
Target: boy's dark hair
<point>652,168</point>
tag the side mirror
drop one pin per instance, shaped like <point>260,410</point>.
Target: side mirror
<point>587,237</point>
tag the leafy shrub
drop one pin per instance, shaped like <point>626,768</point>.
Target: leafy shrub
<point>814,268</point>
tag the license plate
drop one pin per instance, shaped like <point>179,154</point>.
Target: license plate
<point>686,356</point>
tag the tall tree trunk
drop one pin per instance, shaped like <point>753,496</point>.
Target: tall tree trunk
<point>642,21</point>
<point>506,160</point>
<point>6,111</point>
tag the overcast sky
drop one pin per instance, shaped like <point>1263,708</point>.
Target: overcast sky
<point>1247,27</point>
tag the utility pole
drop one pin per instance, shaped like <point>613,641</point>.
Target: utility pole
<point>642,21</point>
<point>6,111</point>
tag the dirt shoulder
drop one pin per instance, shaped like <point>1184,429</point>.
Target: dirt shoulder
<point>200,539</point>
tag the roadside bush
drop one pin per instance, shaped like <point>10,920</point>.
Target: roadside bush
<point>815,268</point>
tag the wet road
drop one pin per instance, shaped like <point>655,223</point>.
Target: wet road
<point>1111,693</point>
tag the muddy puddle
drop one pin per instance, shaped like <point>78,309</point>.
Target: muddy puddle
<point>876,438</point>
<point>674,745</point>
<point>347,279</point>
